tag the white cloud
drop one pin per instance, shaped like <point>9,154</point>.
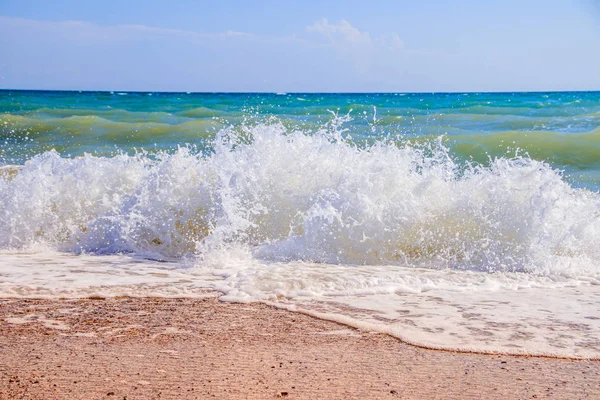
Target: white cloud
<point>118,32</point>
<point>343,30</point>
<point>343,33</point>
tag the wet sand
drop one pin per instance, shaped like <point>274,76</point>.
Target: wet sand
<point>129,348</point>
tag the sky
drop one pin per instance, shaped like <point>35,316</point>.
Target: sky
<point>300,45</point>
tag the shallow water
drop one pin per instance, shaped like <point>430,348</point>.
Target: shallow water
<point>460,221</point>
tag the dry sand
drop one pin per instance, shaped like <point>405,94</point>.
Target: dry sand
<point>129,348</point>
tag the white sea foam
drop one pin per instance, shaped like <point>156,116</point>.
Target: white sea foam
<point>310,218</point>
<point>292,196</point>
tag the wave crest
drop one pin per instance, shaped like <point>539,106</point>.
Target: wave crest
<point>288,195</point>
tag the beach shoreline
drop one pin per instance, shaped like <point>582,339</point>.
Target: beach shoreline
<point>134,348</point>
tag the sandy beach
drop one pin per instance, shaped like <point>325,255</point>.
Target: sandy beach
<point>148,348</point>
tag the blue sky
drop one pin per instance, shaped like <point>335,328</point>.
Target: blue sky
<point>339,46</point>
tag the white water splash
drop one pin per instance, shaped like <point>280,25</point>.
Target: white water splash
<point>292,196</point>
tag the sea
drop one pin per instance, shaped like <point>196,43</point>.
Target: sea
<point>457,221</point>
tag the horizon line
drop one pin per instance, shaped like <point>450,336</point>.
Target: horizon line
<point>297,92</point>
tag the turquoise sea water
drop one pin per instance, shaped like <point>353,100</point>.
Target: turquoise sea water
<point>460,221</point>
<point>560,128</point>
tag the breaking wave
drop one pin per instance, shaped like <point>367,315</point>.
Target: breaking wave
<point>287,195</point>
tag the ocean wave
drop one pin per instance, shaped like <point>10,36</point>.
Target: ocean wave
<point>581,150</point>
<point>106,112</point>
<point>98,126</point>
<point>202,112</point>
<point>285,195</point>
